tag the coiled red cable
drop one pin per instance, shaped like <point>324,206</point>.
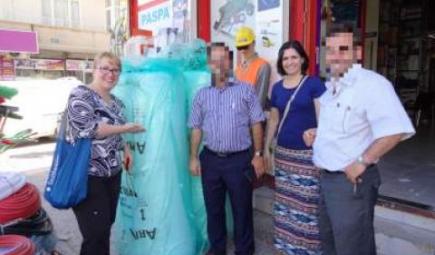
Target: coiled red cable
<point>16,245</point>
<point>21,205</point>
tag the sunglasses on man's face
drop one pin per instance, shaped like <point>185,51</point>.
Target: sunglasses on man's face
<point>243,47</point>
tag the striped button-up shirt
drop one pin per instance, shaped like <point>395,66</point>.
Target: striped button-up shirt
<point>225,116</point>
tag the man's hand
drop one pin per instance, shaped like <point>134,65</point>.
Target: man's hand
<point>309,136</point>
<point>354,171</point>
<point>195,166</point>
<point>258,164</point>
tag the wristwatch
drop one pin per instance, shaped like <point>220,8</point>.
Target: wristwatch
<point>360,160</point>
<point>258,153</point>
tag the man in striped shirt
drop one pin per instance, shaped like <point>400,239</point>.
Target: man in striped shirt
<point>223,117</point>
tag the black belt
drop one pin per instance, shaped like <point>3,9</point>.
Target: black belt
<point>224,154</point>
<point>342,172</point>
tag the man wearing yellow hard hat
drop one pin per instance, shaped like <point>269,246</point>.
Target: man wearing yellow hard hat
<point>252,69</point>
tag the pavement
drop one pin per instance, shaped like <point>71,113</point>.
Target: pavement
<point>35,160</point>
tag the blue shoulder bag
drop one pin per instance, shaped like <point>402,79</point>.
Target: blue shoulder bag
<point>68,178</point>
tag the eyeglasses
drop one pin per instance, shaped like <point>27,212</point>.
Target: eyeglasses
<point>107,70</point>
<point>243,47</point>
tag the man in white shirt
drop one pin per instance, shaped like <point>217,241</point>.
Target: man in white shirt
<point>361,119</point>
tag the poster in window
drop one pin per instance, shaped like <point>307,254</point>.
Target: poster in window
<point>228,16</point>
<point>264,5</point>
<point>264,17</point>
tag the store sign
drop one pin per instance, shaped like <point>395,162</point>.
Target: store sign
<point>18,41</point>
<point>7,69</point>
<point>40,64</point>
<point>79,65</point>
<point>155,14</point>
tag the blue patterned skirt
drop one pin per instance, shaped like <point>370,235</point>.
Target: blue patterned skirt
<point>296,203</point>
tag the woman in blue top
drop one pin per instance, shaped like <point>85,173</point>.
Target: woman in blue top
<point>296,178</point>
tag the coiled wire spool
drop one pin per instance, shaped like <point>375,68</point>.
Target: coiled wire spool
<point>38,224</point>
<point>16,245</point>
<point>21,205</point>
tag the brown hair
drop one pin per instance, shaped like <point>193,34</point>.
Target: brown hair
<point>297,46</point>
<point>109,55</point>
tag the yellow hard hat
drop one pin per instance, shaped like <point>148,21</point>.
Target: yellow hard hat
<point>244,37</point>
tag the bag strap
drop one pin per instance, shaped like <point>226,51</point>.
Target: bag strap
<point>287,107</point>
<point>62,126</point>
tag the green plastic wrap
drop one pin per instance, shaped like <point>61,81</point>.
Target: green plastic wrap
<point>161,208</point>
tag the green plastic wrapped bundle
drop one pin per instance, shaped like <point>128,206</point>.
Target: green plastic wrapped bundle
<point>195,80</point>
<point>161,208</point>
<point>197,76</point>
<point>155,214</point>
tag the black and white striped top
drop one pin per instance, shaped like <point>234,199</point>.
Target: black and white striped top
<point>85,110</point>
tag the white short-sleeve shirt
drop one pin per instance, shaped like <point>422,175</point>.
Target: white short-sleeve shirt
<point>363,108</point>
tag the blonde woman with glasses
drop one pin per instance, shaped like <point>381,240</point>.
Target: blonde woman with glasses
<point>93,112</point>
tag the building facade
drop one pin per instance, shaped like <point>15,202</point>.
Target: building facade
<point>69,34</point>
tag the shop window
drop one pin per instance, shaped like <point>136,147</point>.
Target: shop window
<point>108,19</point>
<point>114,8</point>
<point>75,13</point>
<point>61,13</point>
<point>46,11</point>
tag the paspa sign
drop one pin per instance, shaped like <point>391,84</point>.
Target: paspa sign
<point>154,14</point>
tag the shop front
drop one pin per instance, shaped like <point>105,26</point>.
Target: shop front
<point>18,43</point>
<point>219,20</point>
<point>48,68</point>
<point>34,51</point>
<point>398,39</point>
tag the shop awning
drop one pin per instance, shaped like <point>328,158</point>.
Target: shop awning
<point>18,41</point>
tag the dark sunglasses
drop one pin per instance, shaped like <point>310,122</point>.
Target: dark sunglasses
<point>243,47</point>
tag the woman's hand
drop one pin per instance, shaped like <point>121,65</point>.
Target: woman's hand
<point>133,128</point>
<point>309,136</point>
<point>267,161</point>
<point>105,129</point>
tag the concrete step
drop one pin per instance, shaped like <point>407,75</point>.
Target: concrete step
<point>403,233</point>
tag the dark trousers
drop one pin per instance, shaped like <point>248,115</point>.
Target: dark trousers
<point>96,214</point>
<point>232,174</point>
<point>346,213</point>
